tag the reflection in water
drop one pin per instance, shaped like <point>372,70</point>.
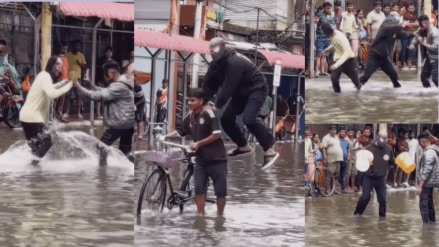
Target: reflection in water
<point>64,201</point>
<point>330,222</point>
<point>377,101</point>
<point>263,208</point>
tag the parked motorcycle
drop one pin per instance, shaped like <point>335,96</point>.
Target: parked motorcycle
<point>11,103</point>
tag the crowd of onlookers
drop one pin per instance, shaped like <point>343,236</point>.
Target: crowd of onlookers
<point>361,28</point>
<point>337,150</point>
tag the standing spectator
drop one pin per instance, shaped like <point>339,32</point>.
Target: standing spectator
<point>374,20</point>
<point>344,144</point>
<point>100,75</point>
<point>409,55</point>
<point>352,169</point>
<point>332,152</point>
<point>401,146</point>
<point>162,101</point>
<point>77,66</point>
<point>322,41</point>
<point>59,105</point>
<point>349,26</point>
<point>413,145</point>
<point>434,16</point>
<point>338,14</point>
<point>282,106</point>
<point>431,43</point>
<point>429,178</point>
<point>386,10</point>
<point>7,64</point>
<point>139,103</point>
<point>398,45</point>
<point>404,4</point>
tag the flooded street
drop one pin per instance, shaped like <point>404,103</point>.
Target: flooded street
<point>376,102</point>
<point>330,221</point>
<point>264,208</point>
<point>68,200</point>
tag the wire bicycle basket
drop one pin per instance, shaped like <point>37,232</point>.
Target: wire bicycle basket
<point>164,159</point>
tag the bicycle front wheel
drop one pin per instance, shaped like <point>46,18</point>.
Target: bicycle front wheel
<point>153,192</point>
<point>185,184</point>
<point>324,181</point>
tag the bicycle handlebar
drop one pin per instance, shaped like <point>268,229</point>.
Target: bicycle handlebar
<point>186,149</point>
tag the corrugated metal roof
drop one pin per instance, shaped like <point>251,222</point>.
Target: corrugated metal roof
<point>287,60</point>
<point>105,10</point>
<point>147,38</point>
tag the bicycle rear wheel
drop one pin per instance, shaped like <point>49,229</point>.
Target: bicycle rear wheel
<point>324,181</point>
<point>153,192</point>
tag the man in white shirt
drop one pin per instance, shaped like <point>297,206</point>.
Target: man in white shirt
<point>374,20</point>
<point>348,22</point>
<point>332,152</point>
<point>413,150</point>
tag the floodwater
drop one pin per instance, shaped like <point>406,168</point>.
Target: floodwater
<point>264,208</point>
<point>376,102</point>
<point>68,200</point>
<point>330,221</point>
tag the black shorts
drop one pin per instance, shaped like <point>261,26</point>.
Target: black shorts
<point>140,114</point>
<point>37,138</point>
<point>217,171</point>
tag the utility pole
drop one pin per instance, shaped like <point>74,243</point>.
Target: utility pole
<point>257,37</point>
<point>197,30</point>
<point>46,34</point>
<point>312,36</point>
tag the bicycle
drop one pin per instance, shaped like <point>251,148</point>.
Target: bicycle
<point>10,106</point>
<point>153,191</point>
<point>324,181</point>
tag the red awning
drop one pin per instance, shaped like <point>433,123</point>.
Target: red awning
<point>104,10</point>
<point>152,39</point>
<point>287,60</point>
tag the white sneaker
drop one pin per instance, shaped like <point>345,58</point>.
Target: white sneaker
<point>80,116</point>
<point>65,115</point>
<point>405,69</point>
<point>317,74</point>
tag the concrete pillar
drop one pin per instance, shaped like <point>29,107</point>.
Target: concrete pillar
<point>46,34</point>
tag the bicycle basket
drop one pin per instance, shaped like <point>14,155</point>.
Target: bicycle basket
<point>164,159</point>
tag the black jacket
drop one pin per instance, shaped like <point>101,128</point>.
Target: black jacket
<point>234,75</point>
<point>382,159</point>
<point>384,42</point>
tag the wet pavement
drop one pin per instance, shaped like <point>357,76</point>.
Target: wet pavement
<point>376,102</point>
<point>264,208</point>
<point>330,221</point>
<point>68,200</point>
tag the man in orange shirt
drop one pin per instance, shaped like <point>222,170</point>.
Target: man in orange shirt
<point>162,100</point>
<point>59,105</point>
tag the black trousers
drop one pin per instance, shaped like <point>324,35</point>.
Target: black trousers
<point>38,140</point>
<point>161,114</point>
<point>349,68</point>
<point>429,70</point>
<point>369,183</point>
<point>125,135</point>
<point>374,62</point>
<point>426,205</point>
<point>249,108</point>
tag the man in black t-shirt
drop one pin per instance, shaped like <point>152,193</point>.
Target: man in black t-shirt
<point>202,124</point>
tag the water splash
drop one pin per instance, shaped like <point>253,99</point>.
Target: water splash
<point>72,151</point>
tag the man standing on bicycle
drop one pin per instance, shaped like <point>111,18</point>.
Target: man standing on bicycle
<point>375,177</point>
<point>233,76</point>
<point>211,161</point>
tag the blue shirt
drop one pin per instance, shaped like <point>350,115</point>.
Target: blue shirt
<point>345,147</point>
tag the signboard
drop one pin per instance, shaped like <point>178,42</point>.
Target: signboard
<point>277,72</point>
